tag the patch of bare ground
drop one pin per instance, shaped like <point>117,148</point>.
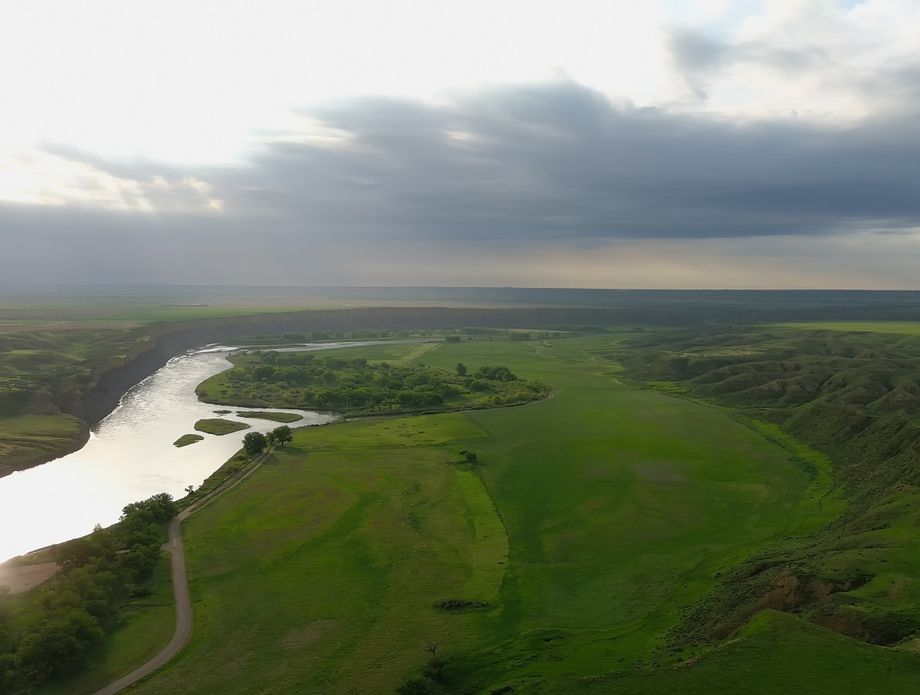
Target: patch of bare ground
<point>21,578</point>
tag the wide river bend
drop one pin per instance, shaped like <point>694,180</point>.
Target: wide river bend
<point>130,456</point>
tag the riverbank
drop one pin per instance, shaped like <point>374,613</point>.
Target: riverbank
<point>131,456</point>
<point>102,362</point>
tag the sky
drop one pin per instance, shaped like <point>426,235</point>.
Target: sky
<point>576,143</point>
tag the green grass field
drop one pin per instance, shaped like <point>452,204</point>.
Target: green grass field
<point>777,653</point>
<point>592,524</point>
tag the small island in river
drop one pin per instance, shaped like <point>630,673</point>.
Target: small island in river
<point>219,426</point>
<point>187,439</point>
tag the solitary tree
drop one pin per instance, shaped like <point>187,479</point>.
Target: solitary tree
<point>282,435</point>
<point>461,369</point>
<point>254,443</point>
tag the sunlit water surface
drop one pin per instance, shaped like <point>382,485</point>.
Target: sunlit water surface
<point>130,456</point>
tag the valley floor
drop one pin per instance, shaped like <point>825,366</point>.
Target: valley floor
<point>591,524</point>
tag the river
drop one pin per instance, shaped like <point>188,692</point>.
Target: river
<point>130,456</point>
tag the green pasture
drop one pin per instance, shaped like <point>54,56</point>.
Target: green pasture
<point>592,522</point>
<point>342,544</point>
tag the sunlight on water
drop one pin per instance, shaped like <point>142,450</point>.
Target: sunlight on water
<point>129,457</point>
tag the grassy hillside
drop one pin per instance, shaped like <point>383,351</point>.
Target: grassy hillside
<point>29,439</point>
<point>854,395</point>
<point>777,653</point>
<point>618,509</point>
<point>45,371</point>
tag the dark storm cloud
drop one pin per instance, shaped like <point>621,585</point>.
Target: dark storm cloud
<point>560,162</point>
<point>549,163</point>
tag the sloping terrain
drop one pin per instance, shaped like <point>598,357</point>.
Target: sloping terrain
<point>590,523</point>
<point>854,395</point>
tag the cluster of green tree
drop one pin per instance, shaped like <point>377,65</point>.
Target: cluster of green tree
<point>56,629</point>
<point>355,386</point>
<point>255,443</point>
<point>854,396</point>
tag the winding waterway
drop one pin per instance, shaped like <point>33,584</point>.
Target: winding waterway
<point>130,456</point>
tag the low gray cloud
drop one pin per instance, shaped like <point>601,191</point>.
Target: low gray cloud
<point>559,161</point>
<point>698,53</point>
<point>553,163</point>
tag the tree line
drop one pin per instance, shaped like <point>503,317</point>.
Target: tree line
<point>254,443</point>
<point>357,386</point>
<point>54,629</point>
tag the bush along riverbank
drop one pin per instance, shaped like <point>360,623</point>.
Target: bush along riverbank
<point>52,632</point>
<point>361,387</point>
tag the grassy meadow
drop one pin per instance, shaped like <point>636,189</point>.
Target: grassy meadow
<point>592,524</point>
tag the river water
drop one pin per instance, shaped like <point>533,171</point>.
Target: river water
<point>130,456</point>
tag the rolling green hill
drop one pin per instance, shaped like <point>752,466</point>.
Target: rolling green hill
<point>620,510</point>
<point>854,395</point>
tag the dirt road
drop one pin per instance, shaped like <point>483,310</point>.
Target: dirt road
<point>183,600</point>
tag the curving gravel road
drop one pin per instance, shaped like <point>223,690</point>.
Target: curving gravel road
<point>183,599</point>
<point>183,602</point>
